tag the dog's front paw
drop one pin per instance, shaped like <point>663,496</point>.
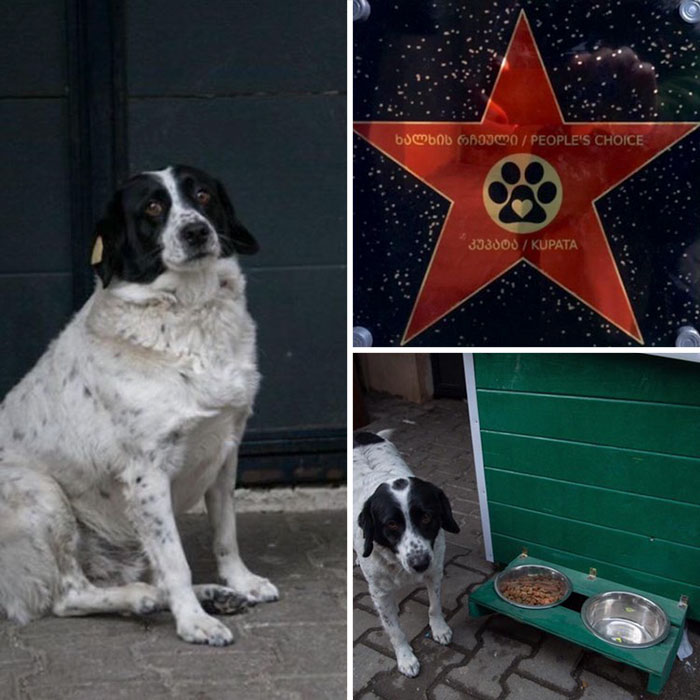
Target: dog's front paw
<point>408,663</point>
<point>219,600</point>
<point>255,589</point>
<point>204,629</point>
<point>441,632</point>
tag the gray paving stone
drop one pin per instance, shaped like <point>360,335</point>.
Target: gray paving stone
<point>14,655</point>
<point>366,664</point>
<point>454,549</point>
<point>433,658</point>
<point>614,671</point>
<point>413,618</point>
<point>96,689</point>
<point>554,663</point>
<point>362,621</point>
<point>444,692</point>
<point>462,506</point>
<point>482,673</point>
<point>465,628</point>
<point>364,601</point>
<point>475,560</point>
<point>520,688</point>
<point>597,688</point>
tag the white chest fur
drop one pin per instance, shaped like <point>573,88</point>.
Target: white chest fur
<point>161,375</point>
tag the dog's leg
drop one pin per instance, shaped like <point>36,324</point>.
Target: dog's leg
<point>140,598</point>
<point>388,610</point>
<point>439,628</point>
<point>149,506</point>
<point>81,597</point>
<point>234,573</point>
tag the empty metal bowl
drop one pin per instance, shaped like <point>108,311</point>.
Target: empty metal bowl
<point>531,571</point>
<point>625,619</point>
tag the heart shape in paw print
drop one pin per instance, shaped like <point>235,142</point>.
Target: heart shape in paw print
<point>521,207</point>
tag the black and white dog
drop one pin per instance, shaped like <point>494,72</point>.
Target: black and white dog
<point>133,414</point>
<point>399,538</point>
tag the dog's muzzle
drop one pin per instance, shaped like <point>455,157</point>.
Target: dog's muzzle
<point>419,562</point>
<point>195,236</point>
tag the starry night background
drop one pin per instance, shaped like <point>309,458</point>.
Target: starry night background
<point>437,61</point>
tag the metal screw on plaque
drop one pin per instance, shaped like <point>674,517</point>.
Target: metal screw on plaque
<point>688,337</point>
<point>690,10</point>
<point>360,10</point>
<point>361,337</point>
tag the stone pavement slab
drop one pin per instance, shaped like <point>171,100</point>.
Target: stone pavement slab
<point>597,688</point>
<point>465,629</point>
<point>414,619</point>
<point>482,675</point>
<point>294,649</point>
<point>520,688</point>
<point>434,659</point>
<point>445,692</point>
<point>554,663</point>
<point>367,664</point>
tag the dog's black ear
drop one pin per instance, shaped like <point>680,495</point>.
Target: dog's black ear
<point>109,239</point>
<point>236,238</point>
<point>366,522</point>
<point>446,520</point>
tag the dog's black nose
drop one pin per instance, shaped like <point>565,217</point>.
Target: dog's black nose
<point>419,562</point>
<point>195,234</point>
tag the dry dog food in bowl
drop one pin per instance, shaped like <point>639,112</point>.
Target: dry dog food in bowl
<point>533,586</point>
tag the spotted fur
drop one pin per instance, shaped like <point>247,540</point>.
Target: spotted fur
<point>399,538</point>
<point>133,414</point>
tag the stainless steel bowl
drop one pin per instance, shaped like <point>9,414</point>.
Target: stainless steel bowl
<point>530,571</point>
<point>625,619</point>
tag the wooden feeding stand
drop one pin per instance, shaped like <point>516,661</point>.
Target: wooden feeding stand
<point>591,463</point>
<point>565,621</point>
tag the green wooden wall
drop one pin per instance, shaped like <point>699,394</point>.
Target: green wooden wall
<point>594,460</point>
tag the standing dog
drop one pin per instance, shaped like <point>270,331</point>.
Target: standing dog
<point>133,414</point>
<point>399,538</point>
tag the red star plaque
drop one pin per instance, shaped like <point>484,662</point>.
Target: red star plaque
<point>522,184</point>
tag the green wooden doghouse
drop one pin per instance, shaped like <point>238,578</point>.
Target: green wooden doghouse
<point>591,463</point>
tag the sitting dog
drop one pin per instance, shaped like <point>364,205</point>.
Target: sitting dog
<point>399,538</point>
<point>133,414</point>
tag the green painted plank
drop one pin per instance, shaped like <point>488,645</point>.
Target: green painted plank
<point>597,465</point>
<point>569,625</point>
<point>667,520</point>
<point>644,426</point>
<point>658,557</point>
<point>628,376</point>
<point>506,548</point>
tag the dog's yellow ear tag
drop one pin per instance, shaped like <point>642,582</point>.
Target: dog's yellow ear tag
<point>97,251</point>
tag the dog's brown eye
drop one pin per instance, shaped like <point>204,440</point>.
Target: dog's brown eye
<point>425,520</point>
<point>392,525</point>
<point>154,208</point>
<point>203,197</point>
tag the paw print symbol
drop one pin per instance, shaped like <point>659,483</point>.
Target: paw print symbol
<point>522,193</point>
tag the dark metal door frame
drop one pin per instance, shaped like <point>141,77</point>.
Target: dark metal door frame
<point>97,117</point>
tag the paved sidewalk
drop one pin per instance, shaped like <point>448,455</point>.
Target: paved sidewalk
<point>294,649</point>
<point>490,657</point>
